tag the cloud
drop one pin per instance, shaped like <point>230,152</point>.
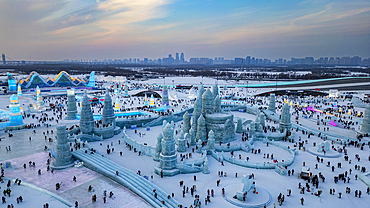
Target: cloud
<point>330,20</point>
<point>160,24</point>
<point>306,17</point>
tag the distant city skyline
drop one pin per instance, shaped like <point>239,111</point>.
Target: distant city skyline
<point>181,60</point>
<point>119,29</point>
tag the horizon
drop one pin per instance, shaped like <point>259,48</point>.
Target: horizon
<point>120,29</point>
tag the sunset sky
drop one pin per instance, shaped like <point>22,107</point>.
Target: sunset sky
<point>117,29</point>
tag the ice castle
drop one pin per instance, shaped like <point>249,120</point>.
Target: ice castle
<point>208,116</point>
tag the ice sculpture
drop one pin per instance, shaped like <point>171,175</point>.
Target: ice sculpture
<point>71,105</point>
<point>272,103</point>
<point>62,150</point>
<point>285,118</point>
<point>245,187</point>
<point>108,112</point>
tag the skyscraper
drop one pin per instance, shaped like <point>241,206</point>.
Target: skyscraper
<point>4,61</point>
<point>248,60</point>
<point>182,58</point>
<point>253,60</point>
<point>177,58</point>
<point>171,60</point>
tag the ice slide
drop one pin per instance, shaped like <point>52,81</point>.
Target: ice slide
<point>127,178</point>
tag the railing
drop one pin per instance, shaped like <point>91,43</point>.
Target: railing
<point>145,149</point>
<point>62,200</point>
<point>364,178</point>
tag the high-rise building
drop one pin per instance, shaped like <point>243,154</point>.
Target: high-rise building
<point>171,60</point>
<point>331,60</point>
<point>280,61</point>
<point>253,60</point>
<point>309,60</point>
<point>182,58</point>
<point>337,60</point>
<point>357,60</point>
<point>326,60</point>
<point>4,61</point>
<point>321,60</point>
<point>177,58</point>
<point>238,60</point>
<point>248,60</point>
<point>294,61</point>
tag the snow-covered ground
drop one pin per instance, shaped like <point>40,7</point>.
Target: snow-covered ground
<point>23,150</point>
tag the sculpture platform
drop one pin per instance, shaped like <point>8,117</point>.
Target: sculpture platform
<point>329,154</point>
<point>254,200</point>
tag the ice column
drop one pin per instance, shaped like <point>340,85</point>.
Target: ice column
<point>211,140</point>
<point>207,102</point>
<point>365,128</point>
<point>217,104</point>
<point>272,103</point>
<point>285,118</point>
<point>168,156</point>
<point>87,119</point>
<point>239,126</point>
<point>108,112</point>
<point>186,123</point>
<point>71,105</point>
<point>201,130</point>
<point>62,150</point>
<point>165,100</point>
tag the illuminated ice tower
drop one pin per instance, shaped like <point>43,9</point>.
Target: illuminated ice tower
<point>116,105</point>
<point>71,105</point>
<point>151,101</point>
<point>15,117</point>
<point>126,91</point>
<point>37,97</point>
<point>12,83</point>
<point>19,93</point>
<point>91,80</point>
<point>146,100</point>
<point>63,154</point>
<point>40,101</point>
<point>37,91</point>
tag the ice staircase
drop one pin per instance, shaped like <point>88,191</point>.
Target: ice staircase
<point>127,178</point>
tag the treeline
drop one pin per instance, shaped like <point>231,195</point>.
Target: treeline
<point>258,73</point>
